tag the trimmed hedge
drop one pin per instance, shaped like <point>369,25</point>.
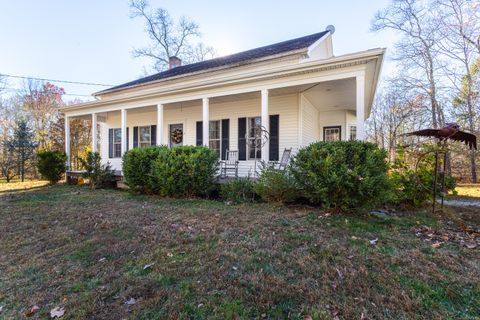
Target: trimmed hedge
<point>183,171</point>
<point>137,168</point>
<point>345,175</point>
<point>52,165</point>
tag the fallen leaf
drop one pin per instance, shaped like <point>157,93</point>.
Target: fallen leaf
<point>57,312</point>
<point>31,311</point>
<point>307,318</point>
<point>131,301</point>
<point>147,266</point>
<point>354,238</point>
<point>471,245</point>
<point>374,241</point>
<point>437,244</point>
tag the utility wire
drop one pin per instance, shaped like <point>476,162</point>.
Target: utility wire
<point>65,94</point>
<point>54,80</point>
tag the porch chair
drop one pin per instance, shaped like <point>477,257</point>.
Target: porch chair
<point>282,165</point>
<point>229,164</point>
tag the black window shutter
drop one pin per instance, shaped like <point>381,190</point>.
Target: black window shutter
<point>199,133</point>
<point>153,137</point>
<point>135,137</point>
<point>110,143</point>
<point>128,138</point>
<point>274,132</point>
<point>225,137</point>
<point>242,143</point>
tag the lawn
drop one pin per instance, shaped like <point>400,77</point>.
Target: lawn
<point>111,255</point>
<point>467,192</point>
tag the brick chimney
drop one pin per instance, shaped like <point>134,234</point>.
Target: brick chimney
<point>174,62</point>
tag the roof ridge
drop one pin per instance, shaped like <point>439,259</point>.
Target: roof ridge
<point>235,58</point>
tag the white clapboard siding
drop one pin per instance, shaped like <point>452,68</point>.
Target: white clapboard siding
<point>284,105</point>
<point>310,122</point>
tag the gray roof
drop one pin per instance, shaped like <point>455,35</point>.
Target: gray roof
<point>233,59</point>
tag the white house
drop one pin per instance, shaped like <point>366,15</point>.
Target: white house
<point>297,89</point>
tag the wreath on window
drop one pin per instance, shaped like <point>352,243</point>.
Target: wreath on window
<point>177,136</point>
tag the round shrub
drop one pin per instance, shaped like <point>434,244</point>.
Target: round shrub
<point>184,171</point>
<point>52,165</point>
<point>238,190</point>
<point>345,175</point>
<point>137,168</point>
<point>276,186</point>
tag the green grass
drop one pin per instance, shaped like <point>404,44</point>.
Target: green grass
<point>86,251</point>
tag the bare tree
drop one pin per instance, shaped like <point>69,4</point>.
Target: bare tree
<point>168,38</point>
<point>395,112</point>
<point>459,26</point>
<point>416,52</point>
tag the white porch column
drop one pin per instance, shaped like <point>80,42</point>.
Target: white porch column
<point>160,124</point>
<point>206,121</point>
<point>265,125</point>
<point>94,132</point>
<point>360,79</point>
<point>124,130</point>
<point>67,140</point>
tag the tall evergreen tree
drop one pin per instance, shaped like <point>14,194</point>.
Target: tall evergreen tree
<point>23,145</point>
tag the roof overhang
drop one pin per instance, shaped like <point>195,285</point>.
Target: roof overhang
<point>207,82</point>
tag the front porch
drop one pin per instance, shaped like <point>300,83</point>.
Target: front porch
<point>294,116</point>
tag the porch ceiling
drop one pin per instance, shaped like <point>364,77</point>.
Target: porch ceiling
<point>332,95</point>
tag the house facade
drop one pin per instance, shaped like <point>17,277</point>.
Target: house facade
<point>297,91</point>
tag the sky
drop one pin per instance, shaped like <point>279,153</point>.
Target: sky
<point>92,41</point>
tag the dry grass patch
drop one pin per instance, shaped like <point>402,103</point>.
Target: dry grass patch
<point>467,192</point>
<point>91,252</point>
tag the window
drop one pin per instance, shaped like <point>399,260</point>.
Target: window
<point>144,136</point>
<point>332,133</point>
<point>117,143</point>
<point>254,138</point>
<point>214,136</point>
<point>353,132</point>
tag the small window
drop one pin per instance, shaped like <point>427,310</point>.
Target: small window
<point>117,143</point>
<point>353,132</point>
<point>254,138</point>
<point>214,136</point>
<point>332,133</point>
<point>144,136</point>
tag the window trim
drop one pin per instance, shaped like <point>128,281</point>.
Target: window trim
<point>140,135</point>
<point>333,127</point>
<point>116,143</point>
<point>247,139</point>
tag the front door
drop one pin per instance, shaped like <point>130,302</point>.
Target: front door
<point>176,135</point>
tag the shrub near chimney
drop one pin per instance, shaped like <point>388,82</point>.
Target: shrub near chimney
<point>174,62</point>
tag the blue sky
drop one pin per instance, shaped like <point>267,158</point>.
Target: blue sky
<point>92,41</point>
